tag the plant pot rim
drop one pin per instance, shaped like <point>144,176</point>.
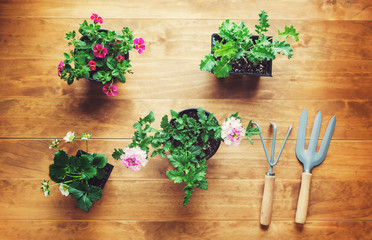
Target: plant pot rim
<point>270,63</point>
<point>208,113</point>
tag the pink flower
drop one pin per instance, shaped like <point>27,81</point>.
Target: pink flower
<point>119,58</point>
<point>92,65</point>
<point>139,45</point>
<point>60,68</point>
<point>110,90</point>
<point>99,51</point>
<point>134,158</point>
<point>96,18</point>
<point>232,131</point>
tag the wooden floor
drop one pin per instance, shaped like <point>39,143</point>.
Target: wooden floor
<point>331,72</point>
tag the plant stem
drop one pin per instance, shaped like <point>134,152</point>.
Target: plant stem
<point>87,145</point>
<point>77,144</point>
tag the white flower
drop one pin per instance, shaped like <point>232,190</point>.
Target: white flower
<point>70,136</point>
<point>45,188</point>
<point>134,158</point>
<point>85,136</point>
<point>64,189</point>
<point>54,144</point>
<point>232,131</point>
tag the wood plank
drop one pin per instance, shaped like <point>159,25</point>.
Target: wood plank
<point>115,229</point>
<point>186,39</point>
<point>297,80</point>
<point>114,118</point>
<point>162,199</point>
<point>245,162</point>
<point>347,10</point>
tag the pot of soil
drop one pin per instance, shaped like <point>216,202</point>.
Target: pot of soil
<point>212,144</point>
<point>95,181</point>
<point>241,67</point>
<point>91,73</point>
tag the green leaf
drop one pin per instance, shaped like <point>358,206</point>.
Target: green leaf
<point>188,195</point>
<point>208,63</point>
<point>262,53</point>
<point>283,47</point>
<point>250,131</point>
<point>117,153</point>
<point>94,193</point>
<point>227,50</point>
<point>84,203</point>
<point>174,114</point>
<point>222,68</point>
<point>175,160</point>
<point>175,175</point>
<point>164,122</point>
<point>100,173</point>
<point>67,56</point>
<point>264,23</point>
<point>121,77</point>
<point>89,173</point>
<point>203,184</point>
<point>77,189</point>
<point>289,32</point>
<point>100,160</point>
<point>202,116</point>
<point>60,158</point>
<point>150,117</point>
<point>56,173</point>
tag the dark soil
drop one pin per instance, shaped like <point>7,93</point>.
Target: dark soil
<point>102,182</point>
<point>212,145</point>
<point>95,181</point>
<point>241,66</point>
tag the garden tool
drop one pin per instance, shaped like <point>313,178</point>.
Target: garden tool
<point>310,158</point>
<point>268,195</point>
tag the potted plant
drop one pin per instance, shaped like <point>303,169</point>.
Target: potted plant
<point>100,55</point>
<point>82,176</point>
<point>236,51</point>
<point>188,140</point>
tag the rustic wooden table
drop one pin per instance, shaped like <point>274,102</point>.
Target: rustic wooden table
<point>330,72</point>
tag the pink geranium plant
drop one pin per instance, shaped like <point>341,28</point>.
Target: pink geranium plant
<point>99,55</point>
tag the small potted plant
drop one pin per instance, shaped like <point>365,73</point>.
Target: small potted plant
<point>236,51</point>
<point>99,55</point>
<point>83,176</point>
<point>188,140</point>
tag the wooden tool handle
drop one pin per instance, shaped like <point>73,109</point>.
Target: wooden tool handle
<point>267,200</point>
<point>303,199</point>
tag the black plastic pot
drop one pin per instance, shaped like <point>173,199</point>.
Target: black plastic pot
<point>91,73</point>
<point>99,182</point>
<point>193,112</point>
<point>267,64</point>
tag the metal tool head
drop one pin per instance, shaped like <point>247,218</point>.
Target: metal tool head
<point>309,157</point>
<point>270,160</point>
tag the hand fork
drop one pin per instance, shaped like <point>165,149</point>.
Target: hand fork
<point>310,158</point>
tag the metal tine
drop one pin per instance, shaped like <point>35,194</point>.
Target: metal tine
<point>271,160</point>
<point>319,157</point>
<point>315,133</point>
<point>301,135</point>
<point>285,140</point>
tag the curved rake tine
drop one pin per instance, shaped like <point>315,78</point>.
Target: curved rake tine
<point>271,162</point>
<point>285,140</point>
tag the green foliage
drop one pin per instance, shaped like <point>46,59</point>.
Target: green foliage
<point>85,194</point>
<point>184,138</point>
<point>250,131</point>
<point>75,171</point>
<point>75,65</point>
<point>236,43</point>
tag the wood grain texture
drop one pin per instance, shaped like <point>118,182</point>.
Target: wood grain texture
<point>37,118</point>
<point>317,9</point>
<point>183,230</point>
<point>162,200</point>
<point>245,162</point>
<point>293,80</point>
<point>330,72</point>
<point>186,39</point>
